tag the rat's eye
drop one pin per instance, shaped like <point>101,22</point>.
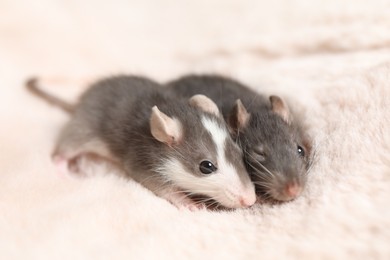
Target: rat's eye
<point>301,151</point>
<point>259,153</point>
<point>207,167</point>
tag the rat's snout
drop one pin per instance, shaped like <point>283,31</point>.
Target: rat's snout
<point>289,191</point>
<point>240,197</point>
<point>292,190</point>
<point>286,192</point>
<point>247,201</point>
<point>284,186</point>
<point>247,197</point>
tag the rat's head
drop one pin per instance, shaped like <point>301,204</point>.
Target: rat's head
<point>199,156</point>
<point>274,152</point>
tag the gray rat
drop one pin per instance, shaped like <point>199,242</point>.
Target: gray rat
<point>276,151</point>
<point>175,147</point>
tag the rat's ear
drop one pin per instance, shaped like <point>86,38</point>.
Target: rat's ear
<point>205,104</point>
<point>239,117</point>
<point>280,107</point>
<point>163,128</point>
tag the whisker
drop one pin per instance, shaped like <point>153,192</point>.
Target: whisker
<point>260,173</point>
<point>264,184</point>
<point>268,171</point>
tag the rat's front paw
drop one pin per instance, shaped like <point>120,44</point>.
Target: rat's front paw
<point>193,206</point>
<point>182,201</point>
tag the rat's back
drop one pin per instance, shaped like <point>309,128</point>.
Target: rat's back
<point>222,90</point>
<point>103,112</point>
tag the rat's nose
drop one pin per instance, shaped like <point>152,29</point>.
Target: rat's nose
<point>247,201</point>
<point>292,190</point>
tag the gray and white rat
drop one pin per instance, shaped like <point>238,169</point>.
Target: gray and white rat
<point>175,147</point>
<point>276,151</point>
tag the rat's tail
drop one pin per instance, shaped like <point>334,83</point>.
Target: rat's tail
<point>32,85</point>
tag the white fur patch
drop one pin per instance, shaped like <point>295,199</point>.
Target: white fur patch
<point>172,169</point>
<point>218,134</point>
<point>219,137</point>
<point>228,176</point>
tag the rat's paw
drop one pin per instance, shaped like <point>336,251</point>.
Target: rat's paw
<point>182,201</point>
<point>200,206</point>
<point>62,165</point>
<point>85,165</point>
<point>192,206</point>
<point>68,166</point>
<point>74,164</point>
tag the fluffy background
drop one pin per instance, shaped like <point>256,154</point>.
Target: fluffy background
<point>330,58</point>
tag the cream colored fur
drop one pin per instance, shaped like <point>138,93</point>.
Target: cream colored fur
<point>331,59</point>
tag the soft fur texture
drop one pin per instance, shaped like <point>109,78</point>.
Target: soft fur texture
<point>331,59</point>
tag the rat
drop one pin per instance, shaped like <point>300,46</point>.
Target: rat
<point>276,150</point>
<point>175,147</point>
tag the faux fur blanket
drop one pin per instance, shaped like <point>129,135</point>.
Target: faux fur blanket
<point>331,59</point>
